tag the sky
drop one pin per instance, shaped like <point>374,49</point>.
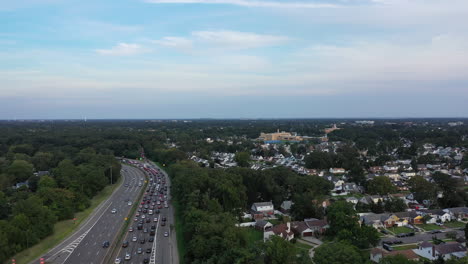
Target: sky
<point>233,58</point>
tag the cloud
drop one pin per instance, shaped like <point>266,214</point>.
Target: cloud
<point>175,42</point>
<point>235,39</point>
<point>222,39</point>
<point>249,3</point>
<point>123,49</point>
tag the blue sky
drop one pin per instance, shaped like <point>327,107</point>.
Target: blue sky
<point>233,58</point>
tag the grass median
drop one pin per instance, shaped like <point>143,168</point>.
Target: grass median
<point>64,228</point>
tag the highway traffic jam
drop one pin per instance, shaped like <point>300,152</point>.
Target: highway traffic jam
<point>150,218</point>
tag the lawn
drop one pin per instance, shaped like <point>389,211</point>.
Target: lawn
<point>454,224</point>
<point>64,228</point>
<point>253,235</point>
<point>429,227</point>
<point>399,230</point>
<point>274,221</point>
<point>404,247</point>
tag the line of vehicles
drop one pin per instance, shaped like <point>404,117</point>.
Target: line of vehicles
<point>142,232</point>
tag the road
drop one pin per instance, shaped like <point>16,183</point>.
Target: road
<point>85,244</point>
<point>164,248</point>
<point>423,236</point>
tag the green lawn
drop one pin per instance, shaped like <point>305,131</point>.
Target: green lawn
<point>398,230</point>
<point>454,224</point>
<point>274,221</point>
<point>253,235</point>
<point>429,227</point>
<point>64,228</point>
<point>404,247</point>
<point>303,245</point>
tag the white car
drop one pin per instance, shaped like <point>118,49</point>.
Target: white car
<point>118,260</point>
<point>128,256</point>
<point>134,239</point>
<point>143,216</point>
<point>166,234</point>
<point>129,203</point>
<point>114,211</point>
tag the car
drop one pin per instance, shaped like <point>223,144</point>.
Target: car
<point>137,214</point>
<point>128,256</point>
<point>155,219</point>
<point>166,234</point>
<point>436,231</point>
<point>130,229</point>
<point>134,239</point>
<point>148,250</point>
<point>148,220</point>
<point>384,231</point>
<point>126,185</point>
<point>143,216</point>
<point>114,211</point>
<point>135,219</point>
<point>145,230</point>
<point>139,251</point>
<point>164,219</point>
<point>105,244</point>
<point>153,227</point>
<point>125,244</point>
<point>142,241</point>
<point>166,206</point>
<point>129,203</point>
<point>163,223</point>
<point>118,261</point>
<point>146,260</point>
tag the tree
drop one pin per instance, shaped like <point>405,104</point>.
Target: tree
<point>422,189</point>
<point>380,185</point>
<point>242,159</point>
<point>341,216</point>
<point>319,160</point>
<point>278,251</point>
<point>395,205</point>
<point>337,253</point>
<point>21,170</point>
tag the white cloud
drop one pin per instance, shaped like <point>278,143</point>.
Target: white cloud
<point>223,39</point>
<point>175,42</point>
<point>249,3</point>
<point>241,40</point>
<point>123,49</point>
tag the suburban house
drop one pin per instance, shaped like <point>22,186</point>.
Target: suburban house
<point>262,225</point>
<point>282,230</point>
<point>259,210</point>
<point>318,226</point>
<point>437,215</point>
<point>377,254</point>
<point>411,217</point>
<point>352,200</point>
<point>285,206</point>
<point>300,228</point>
<point>458,213</point>
<point>337,170</point>
<point>446,250</point>
<point>380,220</point>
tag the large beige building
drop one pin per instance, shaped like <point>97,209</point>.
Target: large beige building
<point>279,136</point>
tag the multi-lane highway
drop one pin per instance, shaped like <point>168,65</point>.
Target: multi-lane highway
<point>151,237</point>
<point>86,244</point>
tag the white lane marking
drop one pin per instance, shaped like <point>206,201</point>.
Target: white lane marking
<point>153,252</point>
<point>71,247</point>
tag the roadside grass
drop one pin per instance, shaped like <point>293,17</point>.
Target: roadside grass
<point>404,247</point>
<point>400,229</point>
<point>454,224</point>
<point>430,227</point>
<point>64,228</point>
<point>179,232</point>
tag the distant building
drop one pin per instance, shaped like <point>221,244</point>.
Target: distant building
<point>331,129</point>
<point>365,122</point>
<point>279,136</point>
<point>445,250</point>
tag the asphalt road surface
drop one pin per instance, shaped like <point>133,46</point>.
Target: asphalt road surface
<point>423,236</point>
<point>163,249</point>
<point>86,244</point>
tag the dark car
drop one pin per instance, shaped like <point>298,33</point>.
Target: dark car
<point>142,241</point>
<point>148,250</point>
<point>151,239</point>
<point>146,260</point>
<point>105,244</point>
<point>148,220</point>
<point>387,247</point>
<point>125,244</point>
